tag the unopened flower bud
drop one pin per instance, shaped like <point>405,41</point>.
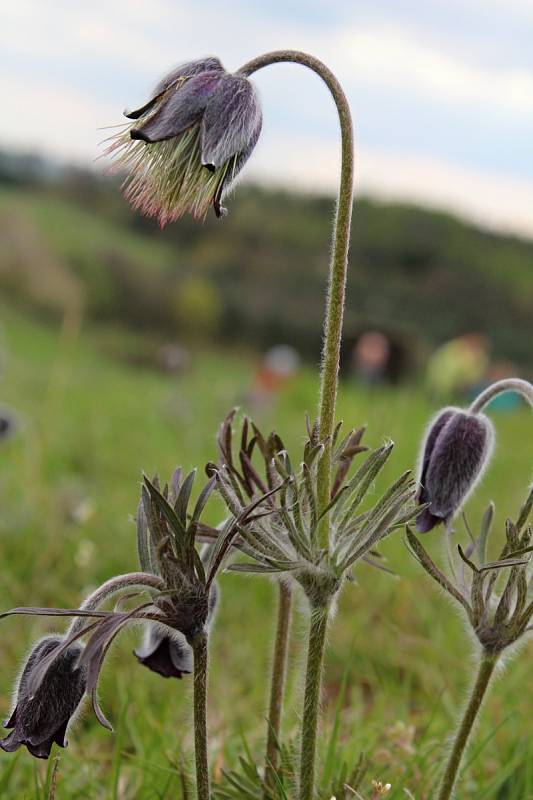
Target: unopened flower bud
<point>456,450</point>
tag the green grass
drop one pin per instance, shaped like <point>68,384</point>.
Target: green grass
<point>89,425</point>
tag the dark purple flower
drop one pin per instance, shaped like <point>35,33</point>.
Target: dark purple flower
<point>164,653</point>
<point>455,453</point>
<point>169,654</point>
<point>42,719</point>
<point>189,141</point>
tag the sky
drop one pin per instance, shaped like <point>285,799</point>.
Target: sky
<point>441,91</point>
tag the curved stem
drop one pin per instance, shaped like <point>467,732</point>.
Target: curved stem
<point>523,388</point>
<point>338,264</point>
<point>313,686</point>
<point>131,580</point>
<point>200,652</point>
<point>486,670</point>
<point>277,685</point>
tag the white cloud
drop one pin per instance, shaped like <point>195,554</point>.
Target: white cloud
<point>394,57</point>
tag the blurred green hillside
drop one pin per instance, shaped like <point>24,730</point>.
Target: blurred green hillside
<point>70,241</point>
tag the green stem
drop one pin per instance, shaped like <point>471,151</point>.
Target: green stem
<point>277,686</point>
<point>313,685</point>
<point>200,652</point>
<point>486,670</point>
<point>338,265</point>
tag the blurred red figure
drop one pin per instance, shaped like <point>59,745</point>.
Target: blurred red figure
<point>278,366</point>
<point>370,357</point>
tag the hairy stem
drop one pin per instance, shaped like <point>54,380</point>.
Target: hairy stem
<point>523,388</point>
<point>277,685</point>
<point>313,687</point>
<point>200,652</point>
<point>338,264</point>
<point>485,672</point>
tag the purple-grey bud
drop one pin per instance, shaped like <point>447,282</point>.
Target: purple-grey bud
<point>455,452</point>
<point>42,719</point>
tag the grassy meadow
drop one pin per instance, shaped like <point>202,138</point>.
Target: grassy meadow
<point>398,659</point>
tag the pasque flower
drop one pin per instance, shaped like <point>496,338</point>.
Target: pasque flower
<point>167,652</point>
<point>41,718</point>
<point>455,452</point>
<point>189,141</point>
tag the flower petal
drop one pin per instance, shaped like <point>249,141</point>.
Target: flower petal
<point>232,121</point>
<point>234,169</point>
<point>180,110</point>
<point>432,434</point>
<point>187,70</point>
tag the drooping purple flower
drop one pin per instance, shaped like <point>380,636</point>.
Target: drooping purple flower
<point>165,654</point>
<point>168,653</point>
<point>455,452</point>
<point>42,719</point>
<point>189,141</point>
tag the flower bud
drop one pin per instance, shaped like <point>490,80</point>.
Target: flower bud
<point>456,450</point>
<point>42,719</point>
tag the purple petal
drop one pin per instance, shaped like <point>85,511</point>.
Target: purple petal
<point>232,121</point>
<point>10,743</point>
<point>181,109</point>
<point>233,171</point>
<point>426,521</point>
<point>191,68</point>
<point>433,431</point>
<point>12,721</point>
<point>188,70</point>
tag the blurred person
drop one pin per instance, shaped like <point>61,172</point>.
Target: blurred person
<point>277,368</point>
<point>370,357</point>
<point>458,366</point>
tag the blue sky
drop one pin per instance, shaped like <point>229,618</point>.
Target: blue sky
<point>441,91</point>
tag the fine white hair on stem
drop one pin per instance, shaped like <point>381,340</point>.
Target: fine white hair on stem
<point>521,387</point>
<point>130,580</point>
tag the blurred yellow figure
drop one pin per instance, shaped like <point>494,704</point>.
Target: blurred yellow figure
<point>458,366</point>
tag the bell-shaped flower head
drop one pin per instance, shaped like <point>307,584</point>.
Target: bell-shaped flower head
<point>41,719</point>
<point>455,453</point>
<point>164,653</point>
<point>189,142</point>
